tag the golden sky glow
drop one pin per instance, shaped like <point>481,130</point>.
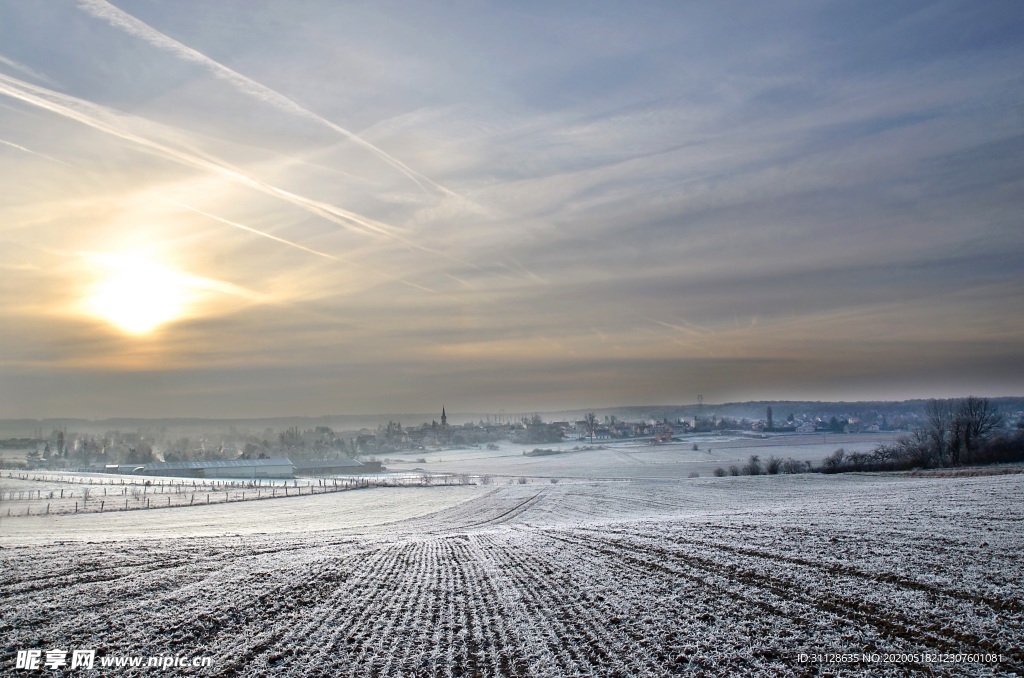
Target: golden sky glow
<point>137,296</point>
<point>217,210</point>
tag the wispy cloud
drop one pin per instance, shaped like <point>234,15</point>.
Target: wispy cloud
<point>118,124</point>
<point>124,21</point>
<point>302,248</point>
<point>501,205</point>
<point>31,72</point>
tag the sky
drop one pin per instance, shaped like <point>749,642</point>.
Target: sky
<point>251,209</point>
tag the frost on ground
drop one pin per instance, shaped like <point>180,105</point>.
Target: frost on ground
<point>720,576</point>
<point>633,459</point>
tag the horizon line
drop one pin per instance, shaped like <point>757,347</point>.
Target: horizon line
<point>506,414</point>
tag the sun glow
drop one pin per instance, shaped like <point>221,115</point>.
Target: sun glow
<point>137,296</point>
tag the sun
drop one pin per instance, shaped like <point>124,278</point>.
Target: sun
<point>137,296</point>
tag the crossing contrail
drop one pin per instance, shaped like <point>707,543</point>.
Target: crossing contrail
<point>127,22</point>
<point>91,115</point>
<point>102,119</point>
<point>258,232</point>
<point>296,245</point>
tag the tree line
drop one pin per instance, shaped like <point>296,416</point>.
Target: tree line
<point>956,432</point>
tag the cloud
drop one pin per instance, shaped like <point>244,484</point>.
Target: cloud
<point>118,125</point>
<point>32,73</point>
<point>618,205</point>
<point>128,23</point>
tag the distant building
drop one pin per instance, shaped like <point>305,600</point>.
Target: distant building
<point>242,468</point>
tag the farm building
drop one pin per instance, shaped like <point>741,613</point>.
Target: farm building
<point>241,468</point>
<point>328,467</point>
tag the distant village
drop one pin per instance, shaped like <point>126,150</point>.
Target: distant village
<point>175,445</point>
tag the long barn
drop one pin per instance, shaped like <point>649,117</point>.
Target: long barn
<point>241,468</point>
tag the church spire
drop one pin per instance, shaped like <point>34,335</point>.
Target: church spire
<point>444,417</point>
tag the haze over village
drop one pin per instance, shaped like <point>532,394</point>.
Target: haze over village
<point>156,446</point>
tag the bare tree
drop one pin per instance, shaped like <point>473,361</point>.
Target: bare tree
<point>753,467</point>
<point>834,462</point>
<point>954,433</point>
<point>857,460</point>
<point>793,466</point>
<point>938,429</point>
<point>975,419</point>
<point>591,420</point>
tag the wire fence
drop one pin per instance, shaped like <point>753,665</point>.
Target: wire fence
<point>40,494</point>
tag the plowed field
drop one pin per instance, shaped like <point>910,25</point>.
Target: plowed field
<point>713,576</point>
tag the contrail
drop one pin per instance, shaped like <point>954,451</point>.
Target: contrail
<point>676,340</point>
<point>260,233</point>
<point>31,152</point>
<point>65,105</point>
<point>527,271</point>
<point>296,245</point>
<point>120,19</point>
<point>28,71</point>
<point>692,330</point>
<point>68,106</point>
<point>329,212</point>
<point>461,281</point>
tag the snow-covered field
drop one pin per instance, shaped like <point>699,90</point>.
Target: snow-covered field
<point>733,575</point>
<point>633,459</point>
<point>49,494</point>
